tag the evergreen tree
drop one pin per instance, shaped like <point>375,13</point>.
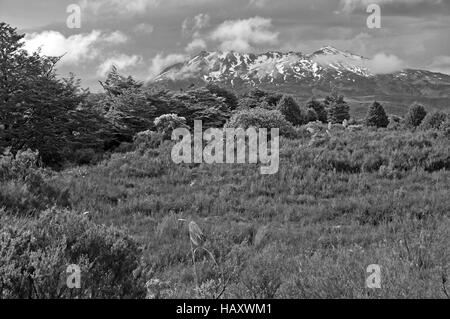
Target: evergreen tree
<point>338,110</point>
<point>376,116</point>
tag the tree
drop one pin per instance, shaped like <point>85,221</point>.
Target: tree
<point>292,111</point>
<point>230,98</point>
<point>38,111</point>
<point>115,84</point>
<point>319,108</point>
<point>415,115</point>
<point>338,110</point>
<point>376,116</point>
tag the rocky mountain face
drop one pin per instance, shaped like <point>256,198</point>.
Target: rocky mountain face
<point>305,75</point>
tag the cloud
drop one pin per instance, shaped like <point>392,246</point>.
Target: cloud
<point>122,62</point>
<point>144,28</point>
<point>75,48</point>
<point>349,6</point>
<point>243,35</point>
<point>258,3</point>
<point>130,7</point>
<point>440,64</point>
<point>196,45</point>
<point>160,62</point>
<point>194,25</point>
<point>383,63</point>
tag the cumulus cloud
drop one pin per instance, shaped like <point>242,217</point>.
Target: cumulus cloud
<point>243,35</point>
<point>349,6</point>
<point>160,62</point>
<point>122,62</point>
<point>118,6</point>
<point>194,25</point>
<point>196,45</point>
<point>440,64</point>
<point>383,63</point>
<point>75,48</point>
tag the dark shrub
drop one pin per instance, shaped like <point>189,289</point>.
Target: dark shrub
<point>34,258</point>
<point>376,116</point>
<point>292,111</point>
<point>415,115</point>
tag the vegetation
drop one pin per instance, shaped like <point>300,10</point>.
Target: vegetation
<point>99,190</point>
<point>376,116</point>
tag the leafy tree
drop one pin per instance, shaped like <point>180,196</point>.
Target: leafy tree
<point>292,111</point>
<point>337,108</point>
<point>319,108</point>
<point>230,98</point>
<point>415,115</point>
<point>115,84</point>
<point>376,116</point>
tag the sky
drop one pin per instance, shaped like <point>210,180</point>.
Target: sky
<point>142,37</point>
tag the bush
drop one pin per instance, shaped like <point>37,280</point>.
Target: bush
<point>24,188</point>
<point>166,123</point>
<point>319,108</point>
<point>338,111</point>
<point>148,140</point>
<point>415,115</point>
<point>261,118</point>
<point>376,116</point>
<point>34,258</point>
<point>292,111</point>
<point>434,121</point>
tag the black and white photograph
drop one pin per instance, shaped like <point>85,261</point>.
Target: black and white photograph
<point>223,155</point>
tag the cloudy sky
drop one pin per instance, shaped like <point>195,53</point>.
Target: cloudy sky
<point>141,37</point>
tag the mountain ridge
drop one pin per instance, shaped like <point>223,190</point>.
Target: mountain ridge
<point>306,75</point>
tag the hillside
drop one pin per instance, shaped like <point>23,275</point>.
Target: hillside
<point>305,75</point>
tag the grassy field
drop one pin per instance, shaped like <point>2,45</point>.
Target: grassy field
<point>336,206</point>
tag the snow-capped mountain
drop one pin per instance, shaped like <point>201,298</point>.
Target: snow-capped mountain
<point>304,75</point>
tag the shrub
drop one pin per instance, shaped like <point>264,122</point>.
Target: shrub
<point>319,108</point>
<point>292,111</point>
<point>261,118</point>
<point>148,140</point>
<point>34,258</point>
<point>166,123</point>
<point>434,121</point>
<point>24,188</point>
<point>376,116</point>
<point>230,98</point>
<point>338,111</point>
<point>415,115</point>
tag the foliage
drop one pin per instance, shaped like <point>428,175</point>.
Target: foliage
<point>166,123</point>
<point>319,108</point>
<point>415,115</point>
<point>434,121</point>
<point>376,116</point>
<point>230,98</point>
<point>34,257</point>
<point>292,111</point>
<point>261,118</point>
<point>338,110</point>
<point>24,187</point>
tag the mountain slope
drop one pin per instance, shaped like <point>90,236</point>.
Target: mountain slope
<point>306,75</point>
